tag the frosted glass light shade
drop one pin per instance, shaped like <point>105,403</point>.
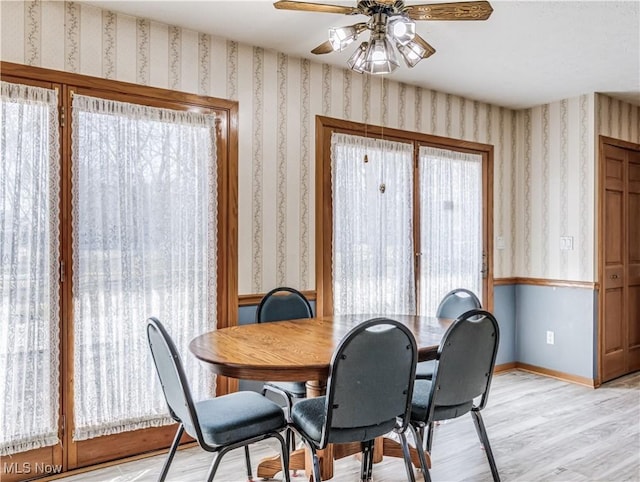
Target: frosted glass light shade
<point>380,57</point>
<point>401,29</point>
<point>340,37</point>
<point>356,61</point>
<point>412,53</point>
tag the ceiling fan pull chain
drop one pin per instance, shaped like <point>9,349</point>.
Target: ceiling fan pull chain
<point>382,107</point>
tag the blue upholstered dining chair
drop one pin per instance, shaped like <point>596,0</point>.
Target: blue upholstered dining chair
<point>218,424</point>
<point>452,305</point>
<point>281,304</point>
<point>461,380</point>
<point>368,393</point>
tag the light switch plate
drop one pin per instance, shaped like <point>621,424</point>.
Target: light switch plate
<point>566,243</point>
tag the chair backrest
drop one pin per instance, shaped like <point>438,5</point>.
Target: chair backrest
<point>370,382</point>
<point>283,303</point>
<point>456,302</point>
<point>172,378</point>
<point>465,363</point>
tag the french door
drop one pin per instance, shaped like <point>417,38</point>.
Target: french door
<point>450,247</point>
<point>30,341</point>
<point>112,200</point>
<point>431,233</point>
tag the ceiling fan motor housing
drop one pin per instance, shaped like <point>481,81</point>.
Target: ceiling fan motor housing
<point>372,7</point>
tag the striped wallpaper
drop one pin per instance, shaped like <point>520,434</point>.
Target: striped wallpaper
<point>544,157</point>
<point>556,195</point>
<point>617,119</point>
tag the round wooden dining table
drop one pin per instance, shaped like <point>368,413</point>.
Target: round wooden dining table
<point>301,350</point>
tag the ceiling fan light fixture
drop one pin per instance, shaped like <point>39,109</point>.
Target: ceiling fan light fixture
<point>392,26</point>
<point>412,53</point>
<point>356,61</point>
<point>401,29</point>
<point>380,57</point>
<point>340,37</point>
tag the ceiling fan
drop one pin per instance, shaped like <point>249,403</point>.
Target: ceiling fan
<point>391,23</point>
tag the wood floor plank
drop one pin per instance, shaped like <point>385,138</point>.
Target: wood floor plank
<point>540,428</point>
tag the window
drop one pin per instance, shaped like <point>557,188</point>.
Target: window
<point>450,203</point>
<point>397,231</point>
<point>145,234</point>
<point>29,290</point>
<point>372,226</point>
<point>118,202</point>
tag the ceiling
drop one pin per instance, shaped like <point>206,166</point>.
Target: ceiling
<point>527,53</point>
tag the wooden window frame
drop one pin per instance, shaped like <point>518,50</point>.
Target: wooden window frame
<point>103,449</point>
<point>325,127</point>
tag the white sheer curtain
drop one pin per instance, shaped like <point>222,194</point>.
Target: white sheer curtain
<point>450,225</point>
<point>373,256</point>
<point>144,225</point>
<point>29,248</point>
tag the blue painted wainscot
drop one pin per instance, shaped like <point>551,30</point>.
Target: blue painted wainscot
<point>525,313</point>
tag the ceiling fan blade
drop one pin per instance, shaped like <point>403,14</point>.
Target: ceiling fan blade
<point>429,50</point>
<point>314,7</point>
<point>323,48</point>
<point>480,10</point>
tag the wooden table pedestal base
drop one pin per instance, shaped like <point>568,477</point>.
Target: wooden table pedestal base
<point>301,460</point>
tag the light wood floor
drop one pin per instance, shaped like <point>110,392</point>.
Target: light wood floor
<point>541,429</point>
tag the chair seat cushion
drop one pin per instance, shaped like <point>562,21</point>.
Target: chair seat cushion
<point>295,389</point>
<point>420,402</point>
<point>425,369</point>
<point>238,416</point>
<point>308,417</point>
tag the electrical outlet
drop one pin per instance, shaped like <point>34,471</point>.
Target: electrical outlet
<point>550,338</point>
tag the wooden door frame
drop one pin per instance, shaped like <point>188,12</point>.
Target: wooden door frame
<point>600,211</point>
<point>121,445</point>
<point>325,126</point>
<point>52,455</point>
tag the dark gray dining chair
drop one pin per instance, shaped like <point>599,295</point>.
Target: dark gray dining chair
<point>218,424</point>
<point>281,304</point>
<point>452,305</point>
<point>461,380</point>
<point>368,393</point>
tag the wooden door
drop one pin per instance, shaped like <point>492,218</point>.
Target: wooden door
<point>620,261</point>
<point>633,260</point>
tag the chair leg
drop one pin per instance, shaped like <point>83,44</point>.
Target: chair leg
<point>215,463</point>
<point>316,464</point>
<point>424,467</point>
<point>284,456</point>
<point>407,457</point>
<point>429,430</point>
<point>366,465</point>
<point>370,463</point>
<point>484,439</point>
<point>364,462</point>
<point>172,452</point>
<point>247,458</point>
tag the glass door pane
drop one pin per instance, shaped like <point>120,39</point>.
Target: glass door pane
<point>145,204</point>
<point>451,248</point>
<point>373,269</point>
<point>29,250</point>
